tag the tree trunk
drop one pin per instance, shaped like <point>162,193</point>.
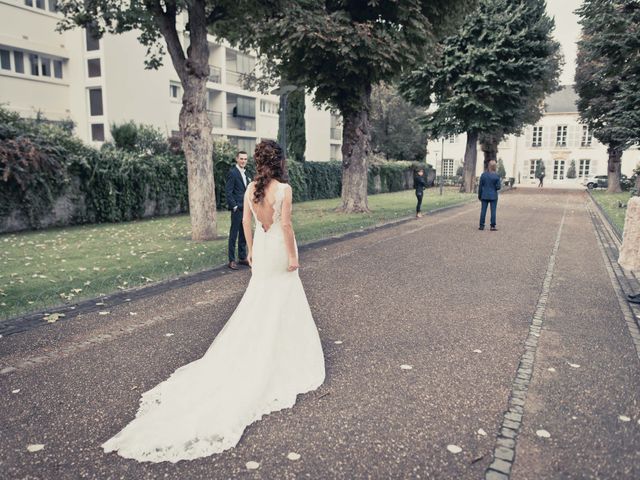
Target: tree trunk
<point>470,159</point>
<point>614,166</point>
<point>195,127</point>
<point>356,148</point>
<point>489,146</point>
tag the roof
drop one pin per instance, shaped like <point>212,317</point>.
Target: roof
<point>562,101</point>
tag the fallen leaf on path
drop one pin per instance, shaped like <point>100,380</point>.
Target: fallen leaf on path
<point>551,369</point>
<point>624,418</point>
<point>454,448</point>
<point>53,318</point>
<point>104,313</point>
<point>293,456</point>
<point>168,334</point>
<point>338,342</point>
<point>573,365</point>
<point>477,351</point>
<point>133,313</point>
<point>406,367</point>
<point>35,447</point>
<point>482,432</point>
<point>17,390</point>
<point>543,434</point>
<point>252,465</point>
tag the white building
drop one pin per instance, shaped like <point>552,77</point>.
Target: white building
<point>100,82</point>
<point>556,140</point>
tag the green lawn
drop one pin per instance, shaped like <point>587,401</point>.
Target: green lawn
<point>609,203</point>
<point>52,267</point>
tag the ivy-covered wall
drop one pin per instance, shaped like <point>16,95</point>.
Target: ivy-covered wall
<point>50,178</point>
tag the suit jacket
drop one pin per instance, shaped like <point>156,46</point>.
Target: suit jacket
<point>419,183</point>
<point>235,188</point>
<point>488,186</point>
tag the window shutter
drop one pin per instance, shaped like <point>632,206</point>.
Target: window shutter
<point>547,139</point>
<point>529,136</point>
<point>572,136</point>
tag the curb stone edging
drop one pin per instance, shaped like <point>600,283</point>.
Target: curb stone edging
<point>505,447</point>
<point>33,320</point>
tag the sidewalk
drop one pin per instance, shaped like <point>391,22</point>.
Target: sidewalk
<point>456,304</point>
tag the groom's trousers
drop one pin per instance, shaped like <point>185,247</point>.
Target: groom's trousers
<point>236,234</point>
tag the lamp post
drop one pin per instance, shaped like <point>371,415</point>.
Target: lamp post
<point>442,167</point>
<point>284,91</point>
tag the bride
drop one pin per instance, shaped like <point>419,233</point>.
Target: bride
<point>268,352</point>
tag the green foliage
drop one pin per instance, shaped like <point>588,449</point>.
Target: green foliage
<point>571,171</point>
<point>501,170</point>
<point>393,175</point>
<point>395,131</point>
<point>608,71</point>
<point>492,75</point>
<point>138,138</point>
<point>296,127</point>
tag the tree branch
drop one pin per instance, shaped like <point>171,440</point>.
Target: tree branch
<point>167,25</point>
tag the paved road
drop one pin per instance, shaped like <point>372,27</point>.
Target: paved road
<point>481,316</point>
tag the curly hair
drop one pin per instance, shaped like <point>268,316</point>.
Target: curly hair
<point>270,164</point>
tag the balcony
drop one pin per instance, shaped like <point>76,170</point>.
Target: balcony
<point>235,78</point>
<point>215,118</point>
<point>335,134</point>
<point>215,74</point>
<point>241,123</point>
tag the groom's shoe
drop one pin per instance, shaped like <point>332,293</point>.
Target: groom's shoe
<point>233,265</point>
<point>244,262</point>
<point>633,297</point>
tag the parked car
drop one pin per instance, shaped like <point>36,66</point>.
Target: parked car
<point>602,181</point>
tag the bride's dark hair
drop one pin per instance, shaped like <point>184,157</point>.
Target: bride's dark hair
<point>270,164</point>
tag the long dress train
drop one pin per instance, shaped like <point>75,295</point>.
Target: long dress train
<point>268,352</point>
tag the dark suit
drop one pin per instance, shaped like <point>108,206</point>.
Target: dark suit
<point>419,183</point>
<point>235,189</point>
<point>488,187</point>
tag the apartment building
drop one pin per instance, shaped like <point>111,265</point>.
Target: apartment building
<point>98,82</point>
<point>556,140</point>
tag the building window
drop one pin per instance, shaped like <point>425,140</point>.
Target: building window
<point>243,143</point>
<point>35,67</point>
<point>28,3</point>
<point>174,90</point>
<point>558,170</point>
<point>245,107</point>
<point>533,166</point>
<point>453,139</point>
<point>267,106</point>
<point>18,61</point>
<point>93,67</point>
<point>46,66</point>
<point>40,4</point>
<point>238,65</point>
<point>97,132</point>
<point>586,136</point>
<point>93,42</point>
<point>95,102</point>
<point>536,139</point>
<point>5,59</point>
<point>57,68</point>
<point>447,167</point>
<point>53,5</point>
<point>584,168</point>
<point>561,136</point>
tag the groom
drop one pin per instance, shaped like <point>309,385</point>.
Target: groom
<point>237,182</point>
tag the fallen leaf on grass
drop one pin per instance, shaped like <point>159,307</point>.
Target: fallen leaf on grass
<point>35,447</point>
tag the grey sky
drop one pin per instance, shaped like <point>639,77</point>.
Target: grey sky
<point>567,33</point>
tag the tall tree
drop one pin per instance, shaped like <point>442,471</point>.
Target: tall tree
<point>395,131</point>
<point>296,127</point>
<point>491,78</point>
<point>339,49</point>
<point>156,20</point>
<point>608,77</point>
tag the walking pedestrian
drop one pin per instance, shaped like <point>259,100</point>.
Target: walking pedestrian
<point>488,187</point>
<point>419,183</point>
<point>541,178</point>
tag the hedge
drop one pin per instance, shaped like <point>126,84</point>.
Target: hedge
<point>48,177</point>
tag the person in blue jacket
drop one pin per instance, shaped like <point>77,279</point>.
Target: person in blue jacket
<point>488,187</point>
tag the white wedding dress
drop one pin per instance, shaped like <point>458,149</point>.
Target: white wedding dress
<point>268,352</point>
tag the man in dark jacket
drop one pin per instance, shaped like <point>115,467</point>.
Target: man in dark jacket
<point>488,187</point>
<point>237,182</point>
<point>419,184</point>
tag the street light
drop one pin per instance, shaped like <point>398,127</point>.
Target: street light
<point>442,168</point>
<point>284,91</point>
